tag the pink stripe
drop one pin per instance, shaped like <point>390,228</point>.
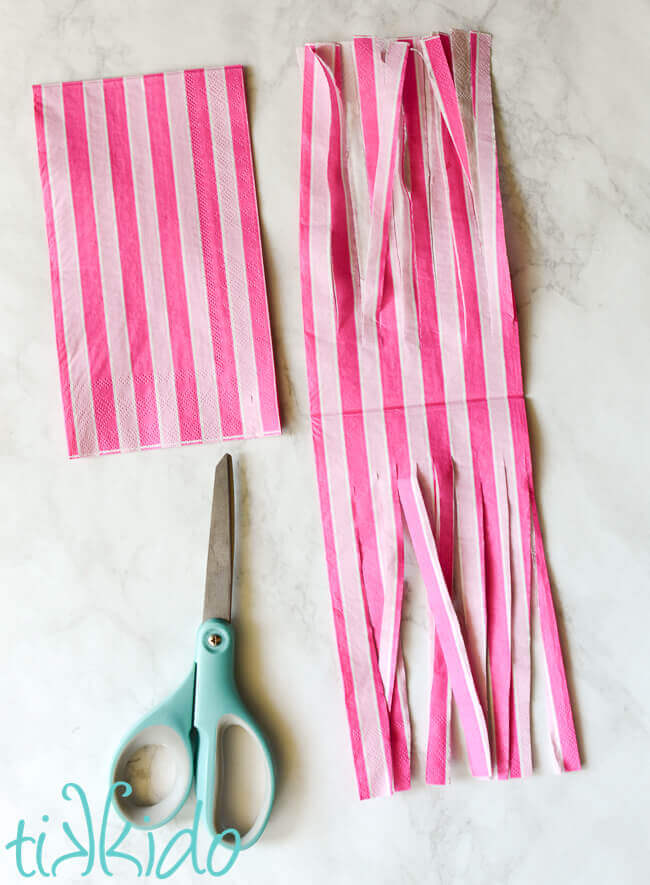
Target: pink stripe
<point>268,397</point>
<point>440,699</point>
<point>440,65</point>
<point>425,286</point>
<point>54,273</point>
<point>509,324</point>
<point>388,359</point>
<point>349,378</point>
<point>521,606</point>
<point>135,306</point>
<point>188,215</point>
<point>436,771</point>
<point>445,42</point>
<point>213,254</point>
<point>448,629</point>
<point>365,64</point>
<point>521,690</point>
<point>475,385</point>
<point>172,258</point>
<point>370,387</point>
<point>522,602</point>
<point>400,731</point>
<point>154,285</point>
<point>387,95</point>
<point>89,268</point>
<point>567,751</point>
<point>498,587</point>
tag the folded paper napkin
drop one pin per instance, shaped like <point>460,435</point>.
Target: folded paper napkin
<point>160,307</point>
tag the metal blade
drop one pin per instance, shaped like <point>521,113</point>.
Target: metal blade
<point>218,575</point>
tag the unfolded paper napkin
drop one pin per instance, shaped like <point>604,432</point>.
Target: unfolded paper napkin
<point>417,405</point>
<point>160,306</point>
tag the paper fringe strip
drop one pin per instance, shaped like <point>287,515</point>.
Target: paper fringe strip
<point>417,404</point>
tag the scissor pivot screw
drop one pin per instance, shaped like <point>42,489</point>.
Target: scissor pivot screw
<point>214,639</point>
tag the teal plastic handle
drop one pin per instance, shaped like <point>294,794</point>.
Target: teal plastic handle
<point>217,706</point>
<point>167,729</point>
<point>209,703</point>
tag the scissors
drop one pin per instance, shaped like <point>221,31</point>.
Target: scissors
<point>184,735</point>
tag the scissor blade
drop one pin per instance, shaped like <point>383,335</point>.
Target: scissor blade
<point>218,576</point>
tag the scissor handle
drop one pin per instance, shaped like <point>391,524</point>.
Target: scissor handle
<point>165,730</point>
<point>217,706</point>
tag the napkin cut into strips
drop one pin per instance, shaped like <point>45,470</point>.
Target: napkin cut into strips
<point>160,307</point>
<point>417,406</point>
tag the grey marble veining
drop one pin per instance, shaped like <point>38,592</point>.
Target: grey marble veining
<point>101,560</point>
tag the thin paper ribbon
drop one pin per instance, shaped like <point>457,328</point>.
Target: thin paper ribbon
<point>417,404</point>
<point>160,307</point>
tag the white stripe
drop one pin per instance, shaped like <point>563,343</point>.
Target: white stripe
<point>382,189</point>
<point>492,300</point>
<point>554,731</point>
<point>470,579</point>
<point>192,250</point>
<point>233,251</point>
<point>450,614</point>
<point>407,339</point>
<point>154,286</point>
<point>379,466</point>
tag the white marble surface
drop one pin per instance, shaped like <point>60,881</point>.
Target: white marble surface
<point>101,561</point>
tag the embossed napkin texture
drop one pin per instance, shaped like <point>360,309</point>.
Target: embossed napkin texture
<point>417,405</point>
<point>160,307</point>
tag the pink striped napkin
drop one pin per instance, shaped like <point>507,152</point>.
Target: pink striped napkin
<point>160,306</point>
<point>417,405</point>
